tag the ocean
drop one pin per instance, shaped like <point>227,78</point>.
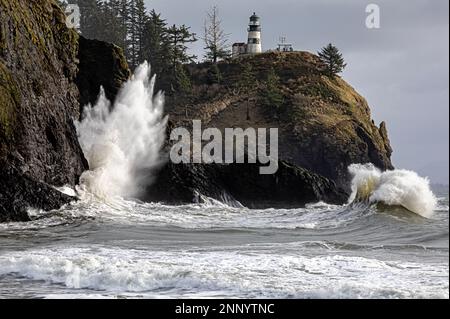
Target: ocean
<point>129,249</point>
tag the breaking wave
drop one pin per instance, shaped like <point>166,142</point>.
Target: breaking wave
<point>198,273</point>
<point>393,188</point>
<point>122,142</point>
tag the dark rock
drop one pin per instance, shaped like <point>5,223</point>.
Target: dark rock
<point>38,103</point>
<point>291,186</point>
<point>19,192</point>
<point>38,95</point>
<point>101,64</point>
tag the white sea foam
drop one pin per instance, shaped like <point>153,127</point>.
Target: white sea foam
<point>394,188</point>
<point>122,142</point>
<point>227,273</point>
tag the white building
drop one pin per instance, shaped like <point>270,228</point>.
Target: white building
<point>253,45</point>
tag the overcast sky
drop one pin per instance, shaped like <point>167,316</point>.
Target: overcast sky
<point>402,68</point>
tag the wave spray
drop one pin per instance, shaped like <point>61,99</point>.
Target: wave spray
<point>122,142</point>
<point>394,188</point>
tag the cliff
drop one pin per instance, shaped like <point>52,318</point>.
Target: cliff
<point>38,94</point>
<point>41,64</point>
<point>324,124</point>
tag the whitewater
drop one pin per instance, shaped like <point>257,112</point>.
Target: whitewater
<point>390,241</point>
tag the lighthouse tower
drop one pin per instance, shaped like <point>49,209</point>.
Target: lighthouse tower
<point>254,35</point>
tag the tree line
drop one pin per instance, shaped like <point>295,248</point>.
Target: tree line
<point>146,36</point>
<point>143,35</point>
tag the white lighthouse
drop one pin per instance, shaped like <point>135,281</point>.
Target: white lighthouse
<point>254,35</point>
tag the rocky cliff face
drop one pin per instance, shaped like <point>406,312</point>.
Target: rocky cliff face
<point>42,66</point>
<point>324,124</point>
<point>39,98</point>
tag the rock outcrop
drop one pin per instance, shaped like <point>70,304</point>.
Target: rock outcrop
<point>19,192</point>
<point>101,64</point>
<point>291,186</point>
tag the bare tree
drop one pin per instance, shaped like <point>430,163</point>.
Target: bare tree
<point>215,37</point>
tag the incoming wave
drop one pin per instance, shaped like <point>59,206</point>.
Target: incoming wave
<point>394,188</point>
<point>224,273</point>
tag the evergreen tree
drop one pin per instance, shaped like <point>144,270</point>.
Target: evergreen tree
<point>247,83</point>
<point>134,14</point>
<point>270,94</point>
<point>118,23</point>
<point>112,29</point>
<point>155,42</point>
<point>214,76</point>
<point>142,36</point>
<point>89,19</point>
<point>133,34</point>
<point>333,60</point>
<point>141,23</point>
<point>177,39</point>
<point>177,55</point>
<point>214,37</point>
<point>183,82</point>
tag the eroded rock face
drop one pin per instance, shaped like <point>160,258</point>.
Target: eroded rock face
<point>39,98</point>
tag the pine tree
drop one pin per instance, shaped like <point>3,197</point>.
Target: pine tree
<point>136,25</point>
<point>177,55</point>
<point>178,38</point>
<point>214,37</point>
<point>89,18</point>
<point>117,24</point>
<point>111,28</point>
<point>214,76</point>
<point>133,35</point>
<point>333,60</point>
<point>270,94</point>
<point>247,83</point>
<point>183,82</point>
<point>155,42</point>
<point>141,23</point>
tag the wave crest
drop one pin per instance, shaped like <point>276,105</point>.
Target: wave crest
<point>394,188</point>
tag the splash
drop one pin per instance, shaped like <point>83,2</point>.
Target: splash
<point>394,188</point>
<point>122,142</point>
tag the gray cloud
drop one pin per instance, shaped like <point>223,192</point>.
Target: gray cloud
<point>402,68</point>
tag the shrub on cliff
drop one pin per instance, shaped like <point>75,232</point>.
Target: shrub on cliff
<point>271,96</point>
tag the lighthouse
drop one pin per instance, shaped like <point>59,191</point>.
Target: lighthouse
<point>254,35</point>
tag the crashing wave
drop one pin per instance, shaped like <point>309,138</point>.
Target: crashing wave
<point>122,142</point>
<point>394,188</point>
